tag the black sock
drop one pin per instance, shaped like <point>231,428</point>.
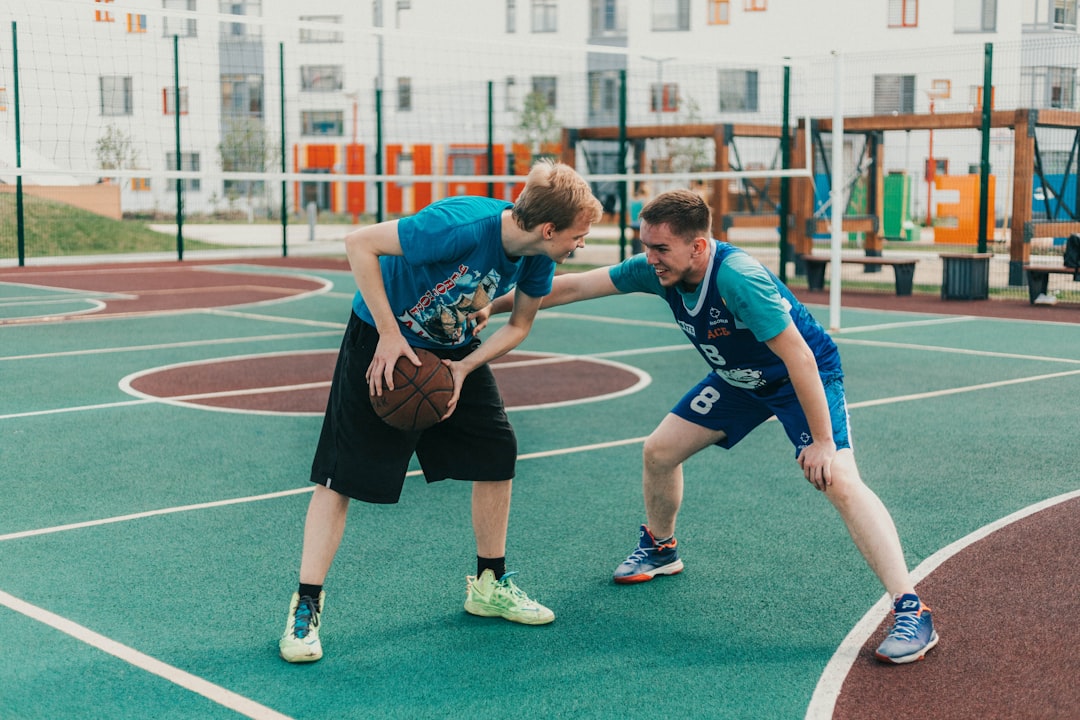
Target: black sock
<point>311,591</point>
<point>496,565</point>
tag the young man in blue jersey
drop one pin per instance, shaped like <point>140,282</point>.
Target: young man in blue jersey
<point>767,356</point>
<point>421,281</point>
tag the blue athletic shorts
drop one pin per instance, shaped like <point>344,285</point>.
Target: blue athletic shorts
<point>717,405</point>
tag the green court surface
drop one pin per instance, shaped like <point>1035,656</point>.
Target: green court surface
<point>148,550</point>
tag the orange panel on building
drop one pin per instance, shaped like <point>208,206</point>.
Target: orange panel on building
<point>355,192</point>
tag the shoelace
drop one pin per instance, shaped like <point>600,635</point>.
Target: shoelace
<point>305,617</point>
<point>906,627</point>
<point>512,589</point>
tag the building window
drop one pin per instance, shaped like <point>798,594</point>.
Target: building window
<point>1065,14</point>
<point>240,30</point>
<point>510,99</point>
<point>545,16</point>
<point>894,94</point>
<point>404,93</point>
<point>719,12</point>
<point>607,18</point>
<point>181,26</point>
<point>755,5</point>
<point>322,122</point>
<point>3,99</point>
<point>320,35</point>
<point>668,15</point>
<point>603,91</point>
<point>103,15</point>
<point>140,184</point>
<point>511,16</point>
<point>189,161</point>
<point>975,16</point>
<point>242,95</point>
<point>1050,87</point>
<point>545,86</point>
<point>664,97</point>
<point>738,90</point>
<point>321,78</point>
<point>169,100</point>
<point>903,13</point>
<point>136,23</point>
<point>116,95</point>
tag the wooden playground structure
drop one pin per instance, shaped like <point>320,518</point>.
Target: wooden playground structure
<point>759,205</point>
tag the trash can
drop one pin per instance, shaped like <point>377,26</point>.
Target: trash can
<point>965,276</point>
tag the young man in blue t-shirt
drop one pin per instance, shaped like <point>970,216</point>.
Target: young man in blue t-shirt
<point>767,356</point>
<point>421,281</point>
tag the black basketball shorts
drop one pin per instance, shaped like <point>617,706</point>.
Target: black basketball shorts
<point>364,458</point>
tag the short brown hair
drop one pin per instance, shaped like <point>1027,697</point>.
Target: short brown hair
<point>555,193</point>
<point>683,211</point>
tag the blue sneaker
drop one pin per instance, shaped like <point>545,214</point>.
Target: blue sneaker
<point>649,560</point>
<point>912,634</point>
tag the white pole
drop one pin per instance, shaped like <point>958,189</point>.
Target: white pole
<point>836,193</point>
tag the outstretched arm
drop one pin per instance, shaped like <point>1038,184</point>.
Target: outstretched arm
<point>567,288</point>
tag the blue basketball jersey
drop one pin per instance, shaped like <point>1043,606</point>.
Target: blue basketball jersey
<point>738,306</point>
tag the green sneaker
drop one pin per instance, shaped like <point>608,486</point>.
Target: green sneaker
<point>487,597</point>
<point>300,643</point>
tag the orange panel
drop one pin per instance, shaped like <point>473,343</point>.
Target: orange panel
<point>354,191</point>
<point>394,193</point>
<point>421,166</point>
<point>320,157</point>
<point>958,222</point>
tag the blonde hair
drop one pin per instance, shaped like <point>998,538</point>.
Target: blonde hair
<point>555,193</point>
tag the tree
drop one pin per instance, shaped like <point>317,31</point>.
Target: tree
<point>246,147</point>
<point>115,150</point>
<point>537,124</point>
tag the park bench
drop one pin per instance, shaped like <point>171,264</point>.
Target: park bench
<point>903,269</point>
<point>1038,278</point>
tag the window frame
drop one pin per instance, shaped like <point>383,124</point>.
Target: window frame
<point>322,78</point>
<point>168,96</point>
<point>193,162</point>
<point>718,12</point>
<point>985,7</point>
<point>738,90</point>
<point>310,124</point>
<point>544,16</point>
<point>903,14</point>
<point>320,35</point>
<point>189,25</point>
<point>670,16</point>
<point>127,95</point>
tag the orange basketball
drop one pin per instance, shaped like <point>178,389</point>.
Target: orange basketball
<point>421,395</point>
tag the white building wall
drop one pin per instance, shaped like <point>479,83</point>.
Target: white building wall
<point>450,50</point>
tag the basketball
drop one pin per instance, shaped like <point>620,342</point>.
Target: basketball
<point>421,395</point>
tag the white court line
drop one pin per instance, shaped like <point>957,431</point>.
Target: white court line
<point>170,346</point>
<point>907,323</point>
<point>214,693</point>
<point>952,350</point>
<point>823,701</point>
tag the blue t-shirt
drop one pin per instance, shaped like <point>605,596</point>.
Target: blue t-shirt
<point>453,264</point>
<point>731,314</point>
